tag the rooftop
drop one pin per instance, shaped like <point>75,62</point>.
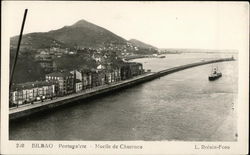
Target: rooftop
<point>59,74</point>
<point>29,85</point>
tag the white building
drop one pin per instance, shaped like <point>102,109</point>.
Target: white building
<point>28,92</point>
<point>100,67</point>
<point>77,74</point>
<point>78,85</point>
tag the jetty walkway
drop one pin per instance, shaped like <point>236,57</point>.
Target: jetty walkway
<point>29,109</point>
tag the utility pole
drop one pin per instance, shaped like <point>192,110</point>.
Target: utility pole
<point>17,51</point>
<point>18,47</point>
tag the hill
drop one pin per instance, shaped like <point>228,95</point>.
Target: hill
<point>87,35</point>
<point>141,44</point>
<point>37,41</point>
<point>83,39</point>
<point>82,34</point>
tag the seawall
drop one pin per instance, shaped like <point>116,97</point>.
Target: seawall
<point>27,110</point>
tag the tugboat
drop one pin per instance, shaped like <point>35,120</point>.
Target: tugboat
<point>163,56</point>
<point>215,74</point>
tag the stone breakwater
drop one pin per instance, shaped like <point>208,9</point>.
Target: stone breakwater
<point>27,110</point>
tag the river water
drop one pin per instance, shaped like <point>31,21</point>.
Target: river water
<point>182,106</point>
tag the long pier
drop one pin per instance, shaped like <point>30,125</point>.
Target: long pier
<point>30,109</point>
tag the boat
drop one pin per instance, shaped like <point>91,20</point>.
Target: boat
<point>162,56</point>
<point>215,74</point>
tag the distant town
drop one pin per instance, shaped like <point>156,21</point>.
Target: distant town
<point>70,60</point>
<point>110,68</point>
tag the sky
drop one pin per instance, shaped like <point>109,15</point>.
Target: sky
<point>208,25</point>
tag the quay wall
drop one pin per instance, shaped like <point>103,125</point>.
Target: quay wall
<point>13,115</point>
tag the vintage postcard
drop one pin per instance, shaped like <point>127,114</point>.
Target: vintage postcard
<point>142,77</point>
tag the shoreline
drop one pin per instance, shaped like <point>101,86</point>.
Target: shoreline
<point>27,110</point>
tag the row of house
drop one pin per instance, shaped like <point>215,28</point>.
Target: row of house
<point>31,91</point>
<point>64,83</point>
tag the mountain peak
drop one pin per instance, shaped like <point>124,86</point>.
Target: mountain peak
<point>83,34</point>
<point>82,23</point>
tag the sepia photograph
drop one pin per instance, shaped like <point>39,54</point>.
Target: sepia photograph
<point>118,77</point>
